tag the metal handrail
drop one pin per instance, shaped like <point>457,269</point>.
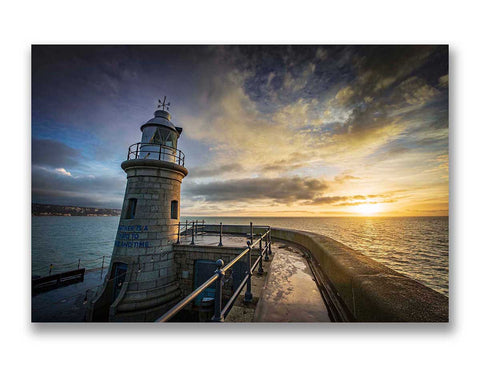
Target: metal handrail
<point>240,287</point>
<point>220,313</point>
<point>237,259</point>
<point>179,306</point>
<point>155,151</point>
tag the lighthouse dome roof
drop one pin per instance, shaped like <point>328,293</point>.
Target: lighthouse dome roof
<point>162,118</point>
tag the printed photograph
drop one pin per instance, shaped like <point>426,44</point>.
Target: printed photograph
<point>240,183</point>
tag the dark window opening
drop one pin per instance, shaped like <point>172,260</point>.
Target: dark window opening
<point>174,209</point>
<point>131,206</point>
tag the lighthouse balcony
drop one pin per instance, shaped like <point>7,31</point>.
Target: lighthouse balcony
<point>156,152</point>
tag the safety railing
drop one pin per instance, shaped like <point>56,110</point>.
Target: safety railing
<point>156,151</point>
<point>190,229</point>
<point>56,268</point>
<point>221,311</point>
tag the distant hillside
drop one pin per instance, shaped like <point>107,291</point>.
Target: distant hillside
<point>67,211</point>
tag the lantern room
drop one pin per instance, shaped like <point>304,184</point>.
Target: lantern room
<point>159,137</point>
<point>160,130</point>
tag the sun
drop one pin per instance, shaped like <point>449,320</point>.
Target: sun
<point>367,209</point>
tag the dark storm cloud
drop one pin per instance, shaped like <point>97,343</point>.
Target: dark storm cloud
<point>390,78</point>
<point>382,85</point>
<point>107,92</point>
<point>288,190</point>
<point>280,190</point>
<point>381,66</point>
<point>94,98</point>
<point>56,187</point>
<point>272,66</point>
<point>54,154</point>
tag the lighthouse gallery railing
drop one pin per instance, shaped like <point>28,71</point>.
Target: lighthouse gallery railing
<point>221,312</point>
<point>156,151</point>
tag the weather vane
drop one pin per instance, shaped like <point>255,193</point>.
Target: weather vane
<point>163,105</point>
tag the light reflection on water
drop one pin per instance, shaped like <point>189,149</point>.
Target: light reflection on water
<point>414,246</point>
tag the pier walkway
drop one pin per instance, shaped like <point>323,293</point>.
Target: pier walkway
<point>286,292</point>
<point>291,293</point>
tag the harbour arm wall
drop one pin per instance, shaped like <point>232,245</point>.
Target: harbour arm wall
<point>366,290</point>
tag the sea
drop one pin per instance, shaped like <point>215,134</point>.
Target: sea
<point>414,246</point>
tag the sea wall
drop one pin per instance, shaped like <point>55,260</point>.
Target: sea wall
<point>371,291</point>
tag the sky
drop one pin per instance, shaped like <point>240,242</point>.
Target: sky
<point>267,130</point>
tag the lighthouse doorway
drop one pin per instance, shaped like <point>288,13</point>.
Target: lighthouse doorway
<point>100,307</point>
<point>118,277</point>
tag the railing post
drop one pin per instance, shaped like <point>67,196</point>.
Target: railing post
<point>251,233</point>
<point>193,233</point>
<point>221,233</point>
<point>103,262</point>
<point>178,233</point>
<point>270,242</point>
<point>260,264</point>
<point>248,293</point>
<point>266,247</point>
<point>186,228</point>
<point>217,316</point>
<point>196,227</point>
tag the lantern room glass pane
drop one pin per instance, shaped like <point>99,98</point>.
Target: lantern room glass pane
<point>172,142</point>
<point>158,143</point>
<point>148,134</point>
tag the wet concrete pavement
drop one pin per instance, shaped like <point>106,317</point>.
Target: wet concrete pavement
<point>291,293</point>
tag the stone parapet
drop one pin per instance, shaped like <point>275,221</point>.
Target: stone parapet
<point>371,291</point>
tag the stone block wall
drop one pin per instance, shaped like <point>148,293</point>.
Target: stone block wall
<point>186,255</point>
<point>145,242</point>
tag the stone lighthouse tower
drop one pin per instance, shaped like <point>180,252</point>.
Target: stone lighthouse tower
<point>141,283</point>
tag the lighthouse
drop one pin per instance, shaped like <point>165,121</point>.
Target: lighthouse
<point>141,282</point>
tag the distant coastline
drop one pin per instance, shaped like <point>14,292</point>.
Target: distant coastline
<point>72,211</point>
